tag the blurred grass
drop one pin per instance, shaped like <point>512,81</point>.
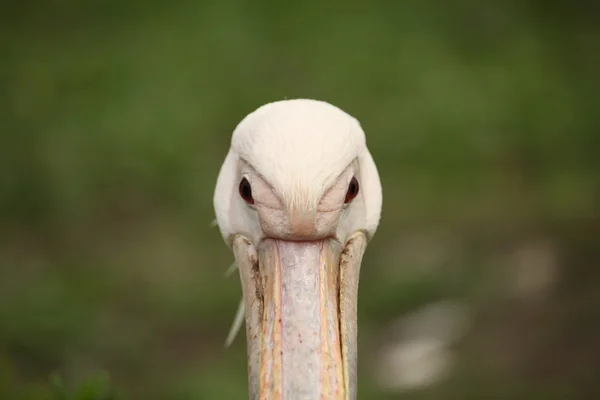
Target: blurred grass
<point>116,117</point>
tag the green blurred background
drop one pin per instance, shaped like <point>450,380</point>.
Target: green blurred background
<point>116,116</point>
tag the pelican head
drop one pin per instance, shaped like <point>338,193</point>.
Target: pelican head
<point>297,199</point>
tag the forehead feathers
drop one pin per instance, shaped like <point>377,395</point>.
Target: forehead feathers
<point>299,146</point>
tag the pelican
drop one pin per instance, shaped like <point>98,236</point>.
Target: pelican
<point>297,199</point>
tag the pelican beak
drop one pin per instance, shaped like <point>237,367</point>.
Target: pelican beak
<point>300,302</point>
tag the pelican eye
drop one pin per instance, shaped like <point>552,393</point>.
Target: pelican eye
<point>352,190</point>
<point>246,191</point>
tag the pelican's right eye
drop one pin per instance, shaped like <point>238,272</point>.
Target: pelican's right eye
<point>246,191</point>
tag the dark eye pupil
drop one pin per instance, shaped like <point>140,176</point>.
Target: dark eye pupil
<point>352,190</point>
<point>246,191</point>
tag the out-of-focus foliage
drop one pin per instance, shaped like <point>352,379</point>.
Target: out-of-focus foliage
<point>96,388</point>
<point>92,388</point>
<point>115,117</point>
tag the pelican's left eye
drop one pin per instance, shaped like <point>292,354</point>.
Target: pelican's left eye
<point>352,190</point>
<point>246,191</point>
